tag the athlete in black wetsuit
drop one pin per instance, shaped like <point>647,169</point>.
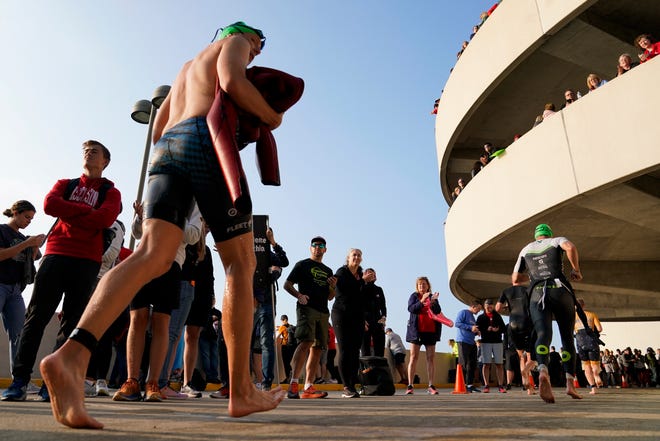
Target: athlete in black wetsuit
<point>520,331</point>
<point>550,295</point>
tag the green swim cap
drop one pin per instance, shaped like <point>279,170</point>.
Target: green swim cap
<point>542,230</point>
<point>238,28</point>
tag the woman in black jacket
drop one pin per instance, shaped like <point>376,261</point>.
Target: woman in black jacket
<point>348,319</point>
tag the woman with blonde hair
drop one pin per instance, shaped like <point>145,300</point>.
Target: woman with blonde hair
<point>422,329</point>
<point>348,319</point>
<point>594,82</point>
<point>17,255</point>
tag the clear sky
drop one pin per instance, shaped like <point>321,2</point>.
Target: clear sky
<point>357,153</point>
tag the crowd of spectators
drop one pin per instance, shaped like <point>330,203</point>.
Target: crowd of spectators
<point>645,42</point>
<point>629,368</point>
<point>620,368</point>
<point>482,18</point>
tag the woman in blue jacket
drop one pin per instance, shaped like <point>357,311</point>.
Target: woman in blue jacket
<point>423,330</point>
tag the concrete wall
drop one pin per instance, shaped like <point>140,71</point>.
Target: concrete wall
<point>605,137</point>
<point>47,344</point>
<point>493,52</point>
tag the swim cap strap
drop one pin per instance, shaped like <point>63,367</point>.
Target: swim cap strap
<point>238,28</point>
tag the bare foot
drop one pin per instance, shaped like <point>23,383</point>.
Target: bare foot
<point>64,377</point>
<point>525,373</point>
<point>253,400</point>
<point>545,390</point>
<point>571,391</point>
<point>531,364</point>
<point>530,387</point>
<point>592,391</point>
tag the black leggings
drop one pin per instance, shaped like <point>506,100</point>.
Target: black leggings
<point>467,358</point>
<point>559,302</point>
<point>57,275</point>
<point>376,335</point>
<point>349,329</point>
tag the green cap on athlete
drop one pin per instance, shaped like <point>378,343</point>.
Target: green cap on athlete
<point>238,28</point>
<point>542,230</point>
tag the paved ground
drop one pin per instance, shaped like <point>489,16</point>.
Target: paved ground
<point>630,414</point>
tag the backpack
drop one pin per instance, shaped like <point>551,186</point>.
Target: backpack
<point>108,233</point>
<point>375,376</point>
<point>291,332</point>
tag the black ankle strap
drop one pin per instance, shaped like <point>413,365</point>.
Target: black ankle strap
<point>85,338</point>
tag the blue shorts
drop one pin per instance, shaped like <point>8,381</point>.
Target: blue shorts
<point>184,165</point>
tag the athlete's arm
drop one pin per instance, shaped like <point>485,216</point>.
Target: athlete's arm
<point>597,324</point>
<point>572,255</point>
<point>519,278</point>
<point>232,62</point>
<point>162,117</point>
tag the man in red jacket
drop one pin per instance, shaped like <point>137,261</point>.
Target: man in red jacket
<point>71,262</point>
<point>183,166</point>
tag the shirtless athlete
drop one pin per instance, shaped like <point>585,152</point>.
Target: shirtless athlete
<point>183,165</point>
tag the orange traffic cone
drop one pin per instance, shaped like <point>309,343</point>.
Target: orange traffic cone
<point>532,386</point>
<point>576,383</point>
<point>624,383</point>
<point>459,386</point>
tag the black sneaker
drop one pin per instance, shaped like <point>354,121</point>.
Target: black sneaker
<point>43,393</point>
<point>473,389</point>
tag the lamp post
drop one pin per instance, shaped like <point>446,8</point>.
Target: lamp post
<point>144,112</point>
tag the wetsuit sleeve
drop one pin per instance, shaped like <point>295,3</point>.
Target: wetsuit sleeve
<point>520,266</point>
<point>557,241</point>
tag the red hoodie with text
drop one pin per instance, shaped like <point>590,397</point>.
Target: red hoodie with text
<point>79,231</point>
